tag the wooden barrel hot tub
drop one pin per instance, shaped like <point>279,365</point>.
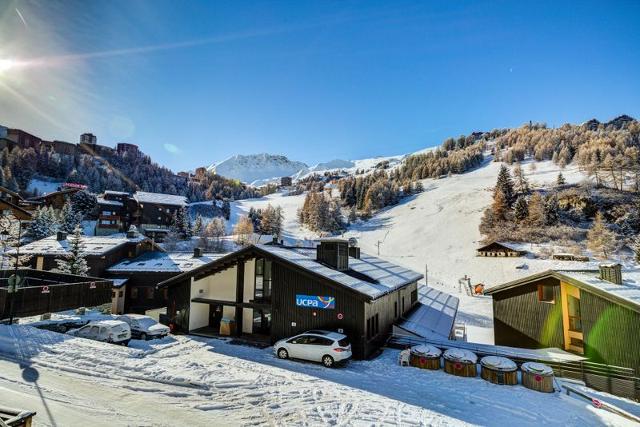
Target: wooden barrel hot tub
<point>537,376</point>
<point>460,362</point>
<point>499,370</point>
<point>425,356</point>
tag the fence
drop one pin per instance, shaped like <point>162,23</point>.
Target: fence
<point>45,296</point>
<point>616,380</point>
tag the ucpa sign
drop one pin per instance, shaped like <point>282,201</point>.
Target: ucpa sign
<point>314,301</point>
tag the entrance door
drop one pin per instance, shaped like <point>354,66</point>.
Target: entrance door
<point>571,318</point>
<point>215,316</point>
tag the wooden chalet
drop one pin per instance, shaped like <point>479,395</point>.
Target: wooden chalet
<point>12,203</point>
<point>55,199</point>
<point>268,292</point>
<point>595,313</point>
<point>498,249</point>
<point>137,278</point>
<point>153,214</point>
<point>101,251</point>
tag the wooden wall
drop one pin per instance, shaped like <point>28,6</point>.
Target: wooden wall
<point>611,332</point>
<point>520,320</point>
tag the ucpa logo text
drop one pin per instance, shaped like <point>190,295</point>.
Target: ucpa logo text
<point>314,301</point>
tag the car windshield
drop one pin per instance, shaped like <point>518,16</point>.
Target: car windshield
<point>344,342</point>
<point>146,322</point>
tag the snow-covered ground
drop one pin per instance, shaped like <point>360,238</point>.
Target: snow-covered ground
<point>42,186</point>
<point>437,231</point>
<point>182,380</point>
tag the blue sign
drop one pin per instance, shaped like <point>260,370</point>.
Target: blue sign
<point>314,301</point>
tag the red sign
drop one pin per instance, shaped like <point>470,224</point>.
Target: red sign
<point>74,185</point>
<point>340,316</point>
<point>596,403</point>
<point>45,289</point>
<point>92,285</point>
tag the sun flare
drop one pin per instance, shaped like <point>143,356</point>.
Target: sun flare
<point>7,64</point>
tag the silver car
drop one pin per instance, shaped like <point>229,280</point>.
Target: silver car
<point>144,327</point>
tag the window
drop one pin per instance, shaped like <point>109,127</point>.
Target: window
<point>149,293</point>
<point>545,293</point>
<point>414,296</point>
<point>113,294</point>
<point>373,326</point>
<point>120,294</point>
<point>262,321</point>
<point>575,320</point>
<point>134,293</point>
<point>262,289</point>
<point>395,309</point>
<point>402,305</point>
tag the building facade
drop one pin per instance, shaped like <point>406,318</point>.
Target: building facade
<point>268,292</point>
<point>591,313</point>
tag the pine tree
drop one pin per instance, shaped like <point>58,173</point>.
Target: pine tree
<point>69,218</point>
<point>226,210</point>
<point>551,210</point>
<point>10,236</point>
<point>599,238</point>
<point>198,226</point>
<point>83,202</point>
<point>560,181</point>
<point>499,206</point>
<point>536,210</point>
<point>74,262</point>
<point>635,245</point>
<point>521,209</point>
<point>521,185</point>
<point>44,223</point>
<point>504,184</point>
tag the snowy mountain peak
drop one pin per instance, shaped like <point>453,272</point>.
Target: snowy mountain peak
<point>256,168</point>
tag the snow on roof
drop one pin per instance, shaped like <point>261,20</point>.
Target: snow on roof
<point>119,282</point>
<point>385,276</point>
<point>629,290</point>
<point>103,201</point>
<point>162,199</point>
<point>434,315</point>
<point>177,262</point>
<point>92,245</point>
<point>116,193</point>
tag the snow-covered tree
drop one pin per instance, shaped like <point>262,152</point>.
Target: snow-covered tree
<point>504,184</point>
<point>271,221</point>
<point>69,218</point>
<point>10,235</point>
<point>521,209</point>
<point>560,181</point>
<point>44,224</point>
<point>83,202</point>
<point>215,230</point>
<point>551,210</point>
<point>74,262</point>
<point>243,230</point>
<point>521,183</point>
<point>181,223</point>
<point>198,226</point>
<point>599,238</point>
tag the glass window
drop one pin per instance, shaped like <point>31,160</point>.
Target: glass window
<point>261,321</point>
<point>575,321</point>
<point>134,293</point>
<point>545,293</point>
<point>263,279</point>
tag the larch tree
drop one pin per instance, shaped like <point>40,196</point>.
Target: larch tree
<point>536,210</point>
<point>243,231</point>
<point>521,183</point>
<point>74,262</point>
<point>600,239</point>
<point>499,207</point>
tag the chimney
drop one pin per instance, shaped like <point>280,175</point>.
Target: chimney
<point>197,252</point>
<point>611,273</point>
<point>61,235</point>
<point>354,250</point>
<point>334,253</point>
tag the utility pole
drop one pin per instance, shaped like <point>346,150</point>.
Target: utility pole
<point>15,286</point>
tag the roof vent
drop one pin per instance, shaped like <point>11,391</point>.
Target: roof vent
<point>611,273</point>
<point>334,253</point>
<point>61,235</point>
<point>197,252</point>
<point>132,233</point>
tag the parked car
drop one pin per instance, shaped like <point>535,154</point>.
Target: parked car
<point>317,346</point>
<point>61,326</point>
<point>112,331</point>
<point>144,327</point>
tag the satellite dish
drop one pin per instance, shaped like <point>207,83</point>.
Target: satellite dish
<point>353,241</point>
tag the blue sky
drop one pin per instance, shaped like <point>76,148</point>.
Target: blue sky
<point>196,82</point>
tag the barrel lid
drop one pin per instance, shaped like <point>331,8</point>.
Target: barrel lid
<point>426,350</point>
<point>460,355</point>
<point>536,368</point>
<point>499,363</point>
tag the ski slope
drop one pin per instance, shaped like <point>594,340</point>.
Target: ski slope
<point>183,380</point>
<point>436,232</point>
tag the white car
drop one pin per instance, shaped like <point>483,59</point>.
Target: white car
<point>317,346</point>
<point>112,331</point>
<point>144,327</point>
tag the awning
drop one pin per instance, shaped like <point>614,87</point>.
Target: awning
<point>433,316</point>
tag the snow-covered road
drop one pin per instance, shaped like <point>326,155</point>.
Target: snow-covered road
<point>192,381</point>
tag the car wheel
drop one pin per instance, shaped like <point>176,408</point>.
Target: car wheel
<point>283,353</point>
<point>143,336</point>
<point>327,361</point>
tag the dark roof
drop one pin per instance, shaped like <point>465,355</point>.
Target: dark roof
<point>16,207</point>
<point>626,294</point>
<point>53,193</point>
<point>499,244</point>
<point>6,190</point>
<point>383,276</point>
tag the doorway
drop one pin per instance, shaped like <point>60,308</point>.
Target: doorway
<point>571,318</point>
<point>215,316</point>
